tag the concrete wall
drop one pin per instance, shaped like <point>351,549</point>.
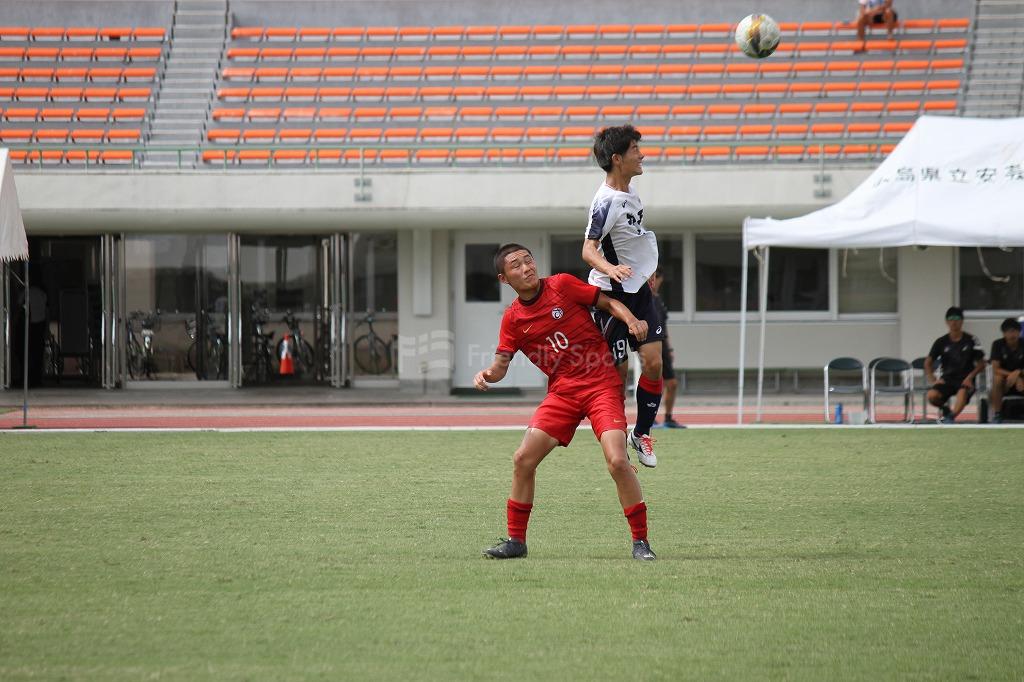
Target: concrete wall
<point>425,334</point>
<point>86,13</point>
<point>303,201</point>
<point>439,12</point>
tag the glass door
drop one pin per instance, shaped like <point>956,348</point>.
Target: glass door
<point>285,307</point>
<point>176,308</point>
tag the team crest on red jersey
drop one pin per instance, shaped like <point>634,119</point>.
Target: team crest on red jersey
<point>556,313</point>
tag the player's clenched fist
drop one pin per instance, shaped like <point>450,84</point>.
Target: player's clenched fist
<point>638,329</point>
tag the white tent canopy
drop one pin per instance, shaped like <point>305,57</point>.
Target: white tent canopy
<point>949,182</point>
<point>13,242</point>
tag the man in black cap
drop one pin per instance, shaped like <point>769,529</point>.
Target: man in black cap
<point>1007,360</point>
<point>961,359</point>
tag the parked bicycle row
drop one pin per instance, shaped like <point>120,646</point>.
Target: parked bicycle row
<point>300,350</point>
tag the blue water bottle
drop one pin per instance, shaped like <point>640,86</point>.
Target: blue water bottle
<point>839,413</point>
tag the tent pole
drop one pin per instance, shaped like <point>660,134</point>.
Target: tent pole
<point>763,307</point>
<point>743,332</point>
<point>24,355</point>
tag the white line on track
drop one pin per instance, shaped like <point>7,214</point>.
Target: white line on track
<point>377,429</point>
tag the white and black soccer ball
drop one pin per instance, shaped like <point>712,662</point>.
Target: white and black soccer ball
<point>757,35</point>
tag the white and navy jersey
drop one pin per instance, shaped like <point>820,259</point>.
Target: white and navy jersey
<point>617,222</point>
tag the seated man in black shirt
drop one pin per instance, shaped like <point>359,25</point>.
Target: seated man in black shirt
<point>961,359</point>
<point>1007,360</point>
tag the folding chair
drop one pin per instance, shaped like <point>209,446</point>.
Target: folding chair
<point>921,386</point>
<point>984,391</point>
<point>905,387</point>
<point>844,364</point>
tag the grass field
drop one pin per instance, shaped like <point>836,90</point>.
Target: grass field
<point>782,555</point>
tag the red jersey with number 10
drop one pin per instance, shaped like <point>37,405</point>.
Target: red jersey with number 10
<point>556,333</point>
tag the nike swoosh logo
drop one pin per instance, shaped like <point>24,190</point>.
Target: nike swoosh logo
<point>526,329</point>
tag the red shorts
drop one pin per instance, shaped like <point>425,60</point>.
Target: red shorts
<point>560,413</point>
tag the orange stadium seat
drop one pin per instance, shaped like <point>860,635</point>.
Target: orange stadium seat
<point>864,129</point>
<point>758,110</point>
<point>330,135</point>
<point>432,156</point>
<point>314,33</point>
<point>225,114</point>
<point>347,33</point>
<point>581,113</point>
<point>470,134</point>
<point>752,153</point>
<point>436,134</point>
<point>755,131</point>
<point>41,33</point>
<point>953,25</point>
<point>87,135</point>
<point>831,109</point>
<point>14,33</point>
<point>475,113</point>
<point>481,32</point>
<point>224,135</point>
<point>331,113</point>
<point>124,136</point>
<point>27,114</point>
<point>382,33</point>
<point>940,107</point>
<point>577,133</point>
<point>93,114</point>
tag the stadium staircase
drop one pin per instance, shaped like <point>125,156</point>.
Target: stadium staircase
<point>197,40</point>
<point>995,81</point>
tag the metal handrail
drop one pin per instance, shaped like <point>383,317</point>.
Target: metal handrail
<point>181,152</point>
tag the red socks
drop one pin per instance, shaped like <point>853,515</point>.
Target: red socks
<point>518,518</point>
<point>654,387</point>
<point>637,517</point>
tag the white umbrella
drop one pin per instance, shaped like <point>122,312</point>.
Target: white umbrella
<point>14,247</point>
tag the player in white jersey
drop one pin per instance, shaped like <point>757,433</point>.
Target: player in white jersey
<point>623,255</point>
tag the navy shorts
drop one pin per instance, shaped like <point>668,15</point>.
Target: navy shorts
<point>641,304</point>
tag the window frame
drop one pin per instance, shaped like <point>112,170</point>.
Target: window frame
<point>832,314</point>
<point>981,313</point>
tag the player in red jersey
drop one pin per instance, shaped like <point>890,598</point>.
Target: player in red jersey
<point>550,323</point>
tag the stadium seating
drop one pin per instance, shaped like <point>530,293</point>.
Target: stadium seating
<point>527,93</point>
<point>445,89</point>
<point>70,95</point>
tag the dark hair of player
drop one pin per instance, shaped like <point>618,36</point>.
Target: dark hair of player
<point>502,253</point>
<point>613,140</point>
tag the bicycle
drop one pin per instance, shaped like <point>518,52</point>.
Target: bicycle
<point>141,361</point>
<point>302,352</point>
<point>371,353</point>
<point>215,357</point>
<point>261,366</point>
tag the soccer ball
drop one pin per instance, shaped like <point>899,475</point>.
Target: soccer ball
<point>757,35</point>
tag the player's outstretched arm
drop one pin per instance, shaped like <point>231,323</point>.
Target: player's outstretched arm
<point>593,258</point>
<point>493,374</point>
<point>619,311</point>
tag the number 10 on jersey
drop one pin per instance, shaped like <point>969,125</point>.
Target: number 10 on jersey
<point>558,341</point>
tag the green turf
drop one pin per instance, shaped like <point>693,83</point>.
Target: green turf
<point>782,555</point>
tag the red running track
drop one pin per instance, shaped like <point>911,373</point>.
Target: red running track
<point>355,417</point>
